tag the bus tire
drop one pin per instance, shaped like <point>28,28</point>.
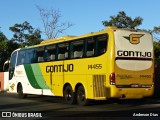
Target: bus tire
<point>69,95</point>
<point>81,97</point>
<point>20,92</point>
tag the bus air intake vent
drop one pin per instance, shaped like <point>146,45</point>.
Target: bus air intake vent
<point>99,85</point>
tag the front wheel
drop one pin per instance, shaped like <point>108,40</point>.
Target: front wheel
<point>20,92</point>
<point>81,97</point>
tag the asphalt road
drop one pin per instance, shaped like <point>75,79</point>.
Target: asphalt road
<point>45,106</point>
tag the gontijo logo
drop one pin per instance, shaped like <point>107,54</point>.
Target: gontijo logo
<point>134,38</point>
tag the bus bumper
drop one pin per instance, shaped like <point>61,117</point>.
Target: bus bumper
<point>132,93</point>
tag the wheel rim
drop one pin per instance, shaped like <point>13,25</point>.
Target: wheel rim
<point>68,95</point>
<point>81,96</point>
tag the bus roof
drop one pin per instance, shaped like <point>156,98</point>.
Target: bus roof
<point>70,38</point>
<point>57,39</point>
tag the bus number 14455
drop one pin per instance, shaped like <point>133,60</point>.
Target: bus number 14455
<point>95,66</point>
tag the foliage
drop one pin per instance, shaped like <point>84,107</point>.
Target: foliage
<point>156,33</point>
<point>3,44</point>
<point>156,29</point>
<point>156,37</point>
<point>34,37</point>
<point>2,37</point>
<point>25,34</point>
<point>6,48</point>
<point>121,20</point>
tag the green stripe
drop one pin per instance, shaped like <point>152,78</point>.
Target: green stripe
<point>31,76</point>
<point>38,76</point>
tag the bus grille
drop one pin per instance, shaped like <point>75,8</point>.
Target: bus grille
<point>99,85</point>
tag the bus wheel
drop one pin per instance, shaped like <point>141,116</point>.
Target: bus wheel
<point>20,92</point>
<point>69,95</point>
<point>81,97</point>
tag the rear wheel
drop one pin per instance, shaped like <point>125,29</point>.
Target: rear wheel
<point>81,97</point>
<point>20,92</point>
<point>69,95</point>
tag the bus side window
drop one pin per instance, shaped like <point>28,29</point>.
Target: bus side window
<point>39,54</point>
<point>21,57</point>
<point>90,47</point>
<point>50,53</point>
<point>29,56</point>
<point>77,48</point>
<point>63,51</point>
<point>101,44</point>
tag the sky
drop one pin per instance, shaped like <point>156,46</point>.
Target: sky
<point>86,15</point>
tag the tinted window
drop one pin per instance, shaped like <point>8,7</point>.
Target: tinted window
<point>77,49</point>
<point>29,56</point>
<point>39,54</point>
<point>13,59</point>
<point>50,53</point>
<point>63,51</point>
<point>21,57</point>
<point>90,48</point>
<point>101,44</point>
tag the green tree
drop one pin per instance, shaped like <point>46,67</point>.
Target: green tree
<point>25,34</point>
<point>121,20</point>
<point>34,37</point>
<point>156,36</point>
<point>2,37</point>
<point>3,41</point>
<point>157,51</point>
<point>3,46</point>
<point>11,46</point>
<point>6,48</point>
<point>156,33</point>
